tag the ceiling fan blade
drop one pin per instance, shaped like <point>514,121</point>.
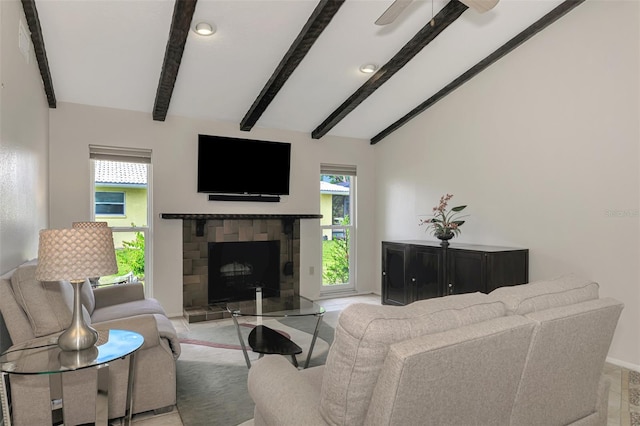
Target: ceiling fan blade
<point>480,6</point>
<point>393,12</point>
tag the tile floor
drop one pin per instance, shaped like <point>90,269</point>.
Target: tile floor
<point>623,404</point>
<point>620,404</point>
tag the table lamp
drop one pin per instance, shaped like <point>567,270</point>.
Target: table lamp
<point>94,281</point>
<point>74,255</point>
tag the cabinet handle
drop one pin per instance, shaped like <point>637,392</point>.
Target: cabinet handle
<point>384,273</point>
<point>413,279</point>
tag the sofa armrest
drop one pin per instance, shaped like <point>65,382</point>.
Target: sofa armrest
<point>296,402</point>
<point>151,328</point>
<point>119,293</point>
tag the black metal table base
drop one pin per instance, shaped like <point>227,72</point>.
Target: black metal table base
<point>271,342</point>
<point>265,340</point>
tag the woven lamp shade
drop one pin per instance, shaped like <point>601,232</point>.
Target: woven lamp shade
<point>88,225</point>
<point>75,254</point>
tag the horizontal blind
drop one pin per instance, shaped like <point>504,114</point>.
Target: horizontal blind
<point>338,169</point>
<point>114,153</point>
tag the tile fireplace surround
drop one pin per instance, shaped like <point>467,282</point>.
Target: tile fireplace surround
<point>199,230</point>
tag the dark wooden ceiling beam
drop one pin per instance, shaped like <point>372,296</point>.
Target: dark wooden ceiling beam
<point>516,41</point>
<point>317,22</point>
<point>180,25</point>
<point>452,11</point>
<point>33,21</point>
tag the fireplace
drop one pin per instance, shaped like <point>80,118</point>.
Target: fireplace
<point>236,269</point>
<point>199,230</point>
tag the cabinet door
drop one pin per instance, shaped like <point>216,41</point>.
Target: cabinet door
<point>507,268</point>
<point>466,272</point>
<point>395,290</point>
<point>426,272</point>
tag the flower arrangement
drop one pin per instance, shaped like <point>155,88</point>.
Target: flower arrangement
<point>444,224</point>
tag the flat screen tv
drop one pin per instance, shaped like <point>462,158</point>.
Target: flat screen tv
<point>243,166</point>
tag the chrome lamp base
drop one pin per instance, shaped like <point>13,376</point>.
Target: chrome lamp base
<point>78,335</point>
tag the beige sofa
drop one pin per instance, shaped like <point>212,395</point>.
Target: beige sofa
<point>40,310</point>
<point>525,355</point>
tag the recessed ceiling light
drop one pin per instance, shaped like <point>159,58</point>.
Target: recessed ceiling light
<point>204,29</point>
<point>368,68</point>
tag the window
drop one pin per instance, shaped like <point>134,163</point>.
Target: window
<point>122,198</point>
<point>337,204</point>
<point>109,203</point>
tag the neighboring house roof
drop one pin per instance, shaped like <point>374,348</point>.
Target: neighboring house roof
<point>121,173</point>
<point>332,188</point>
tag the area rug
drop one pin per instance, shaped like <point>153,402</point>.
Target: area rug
<point>212,373</point>
<point>633,388</point>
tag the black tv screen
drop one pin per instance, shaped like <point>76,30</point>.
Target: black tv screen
<point>243,166</point>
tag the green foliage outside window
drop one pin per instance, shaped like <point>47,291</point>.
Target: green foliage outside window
<point>336,179</point>
<point>335,258</point>
<point>131,257</point>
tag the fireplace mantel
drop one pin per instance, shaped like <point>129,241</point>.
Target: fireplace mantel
<point>207,216</point>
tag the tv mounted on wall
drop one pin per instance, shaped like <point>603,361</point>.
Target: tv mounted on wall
<point>243,169</point>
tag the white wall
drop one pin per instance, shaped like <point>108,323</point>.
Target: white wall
<point>24,121</point>
<point>543,147</point>
<point>174,145</point>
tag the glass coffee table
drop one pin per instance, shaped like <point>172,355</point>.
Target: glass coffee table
<point>274,304</point>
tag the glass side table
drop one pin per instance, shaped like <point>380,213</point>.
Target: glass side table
<point>274,304</point>
<point>43,356</point>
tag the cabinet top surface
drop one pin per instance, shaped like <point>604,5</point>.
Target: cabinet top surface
<point>456,246</point>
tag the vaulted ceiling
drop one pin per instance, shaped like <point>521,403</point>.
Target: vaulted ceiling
<point>283,64</point>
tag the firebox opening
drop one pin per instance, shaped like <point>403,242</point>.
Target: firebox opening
<point>236,269</point>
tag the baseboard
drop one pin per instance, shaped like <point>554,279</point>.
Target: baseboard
<point>346,293</point>
<point>624,364</point>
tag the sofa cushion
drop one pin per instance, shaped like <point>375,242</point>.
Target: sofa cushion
<point>46,304</point>
<point>540,295</point>
<point>14,317</point>
<point>128,309</point>
<point>362,339</point>
<point>464,376</point>
<point>560,382</point>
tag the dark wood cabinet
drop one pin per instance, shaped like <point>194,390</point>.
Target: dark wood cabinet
<point>416,270</point>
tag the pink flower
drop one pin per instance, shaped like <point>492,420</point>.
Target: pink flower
<point>444,222</point>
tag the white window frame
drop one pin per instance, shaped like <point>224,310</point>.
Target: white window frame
<point>129,155</point>
<point>343,170</point>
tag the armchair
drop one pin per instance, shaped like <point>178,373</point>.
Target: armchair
<point>40,310</point>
